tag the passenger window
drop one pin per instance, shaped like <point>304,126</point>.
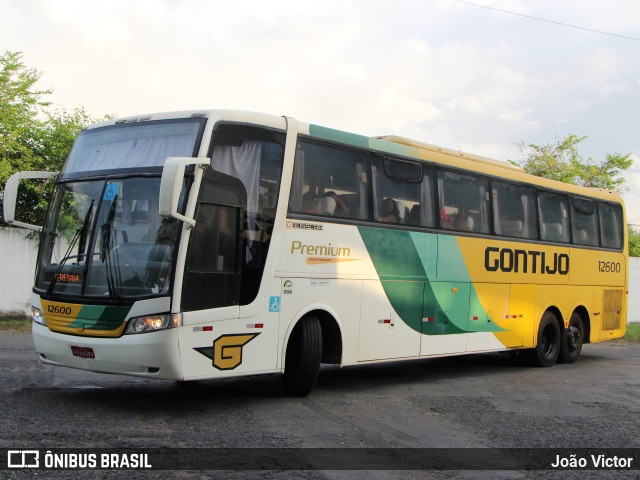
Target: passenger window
<point>463,202</point>
<point>514,210</point>
<point>329,180</point>
<point>402,193</point>
<point>584,222</point>
<point>611,226</point>
<point>554,217</point>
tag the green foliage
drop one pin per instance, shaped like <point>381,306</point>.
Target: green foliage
<point>633,333</point>
<point>634,242</point>
<point>561,161</point>
<point>32,135</point>
<point>16,322</point>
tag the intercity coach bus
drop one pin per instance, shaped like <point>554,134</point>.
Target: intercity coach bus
<point>208,244</point>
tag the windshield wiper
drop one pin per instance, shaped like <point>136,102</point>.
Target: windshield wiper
<point>81,235</point>
<point>106,229</point>
<point>82,243</point>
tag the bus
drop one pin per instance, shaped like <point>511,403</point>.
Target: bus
<point>208,244</point>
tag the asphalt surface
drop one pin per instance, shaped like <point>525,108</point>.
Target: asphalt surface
<point>482,401</point>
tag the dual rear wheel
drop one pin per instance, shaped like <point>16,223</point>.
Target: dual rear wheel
<point>553,344</point>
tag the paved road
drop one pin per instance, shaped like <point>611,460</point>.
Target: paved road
<point>471,401</point>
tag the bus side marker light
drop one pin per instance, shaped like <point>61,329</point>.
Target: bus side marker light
<point>255,325</point>
<point>428,319</point>
<point>206,328</point>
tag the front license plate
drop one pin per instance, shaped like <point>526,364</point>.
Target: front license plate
<point>83,352</point>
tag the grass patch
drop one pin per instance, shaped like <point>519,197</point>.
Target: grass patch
<point>20,324</point>
<point>633,333</point>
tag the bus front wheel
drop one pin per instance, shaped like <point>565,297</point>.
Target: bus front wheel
<point>302,361</point>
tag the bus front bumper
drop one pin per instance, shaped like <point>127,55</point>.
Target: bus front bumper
<point>151,355</point>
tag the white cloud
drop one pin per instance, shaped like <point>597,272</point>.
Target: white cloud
<point>438,70</point>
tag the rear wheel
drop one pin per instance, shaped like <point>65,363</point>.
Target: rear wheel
<point>302,361</point>
<point>572,340</point>
<point>547,347</point>
<point>546,352</point>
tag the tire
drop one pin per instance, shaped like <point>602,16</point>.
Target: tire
<point>548,347</point>
<point>572,340</point>
<point>302,361</point>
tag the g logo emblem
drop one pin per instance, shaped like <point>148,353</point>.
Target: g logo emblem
<point>226,353</point>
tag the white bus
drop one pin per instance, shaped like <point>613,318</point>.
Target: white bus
<point>208,244</point>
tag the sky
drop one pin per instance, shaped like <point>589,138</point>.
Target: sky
<point>444,72</point>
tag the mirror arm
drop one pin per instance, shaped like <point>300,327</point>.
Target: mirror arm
<point>9,199</point>
<point>171,185</point>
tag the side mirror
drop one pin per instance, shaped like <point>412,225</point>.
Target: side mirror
<point>11,193</point>
<point>171,185</point>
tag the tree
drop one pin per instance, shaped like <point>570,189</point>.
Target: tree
<point>561,161</point>
<point>32,135</point>
<point>634,242</point>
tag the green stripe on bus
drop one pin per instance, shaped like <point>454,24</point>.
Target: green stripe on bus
<point>100,317</point>
<point>407,262</point>
<point>338,136</point>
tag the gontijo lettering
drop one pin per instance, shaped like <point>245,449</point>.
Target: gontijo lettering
<point>525,261</point>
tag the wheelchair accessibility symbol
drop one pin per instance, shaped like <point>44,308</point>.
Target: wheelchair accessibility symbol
<point>274,304</point>
<point>111,192</point>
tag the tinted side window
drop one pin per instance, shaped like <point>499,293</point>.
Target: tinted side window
<point>584,222</point>
<point>330,181</point>
<point>214,244</point>
<point>463,202</point>
<point>554,217</point>
<point>611,226</point>
<point>403,199</point>
<point>514,210</point>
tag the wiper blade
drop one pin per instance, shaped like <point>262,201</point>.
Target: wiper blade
<point>106,228</point>
<point>64,259</point>
<point>105,254</point>
<point>82,243</point>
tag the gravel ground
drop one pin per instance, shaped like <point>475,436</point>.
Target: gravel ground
<point>481,401</point>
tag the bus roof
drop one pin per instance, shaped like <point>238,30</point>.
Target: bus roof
<point>433,148</point>
<point>390,144</point>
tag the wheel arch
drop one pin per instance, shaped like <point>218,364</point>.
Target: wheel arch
<point>586,321</point>
<point>332,333</point>
<point>559,317</point>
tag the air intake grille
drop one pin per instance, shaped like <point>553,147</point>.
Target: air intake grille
<point>612,310</point>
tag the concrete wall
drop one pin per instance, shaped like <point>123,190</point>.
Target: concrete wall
<point>18,257</point>
<point>633,311</point>
<point>18,254</point>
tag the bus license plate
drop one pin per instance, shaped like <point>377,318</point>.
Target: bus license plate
<point>83,352</point>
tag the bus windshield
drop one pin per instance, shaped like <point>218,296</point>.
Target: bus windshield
<point>136,145</point>
<point>105,238</point>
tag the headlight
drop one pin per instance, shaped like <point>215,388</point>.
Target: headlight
<point>153,323</point>
<point>37,316</point>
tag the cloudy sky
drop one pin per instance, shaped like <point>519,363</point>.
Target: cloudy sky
<point>441,71</point>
